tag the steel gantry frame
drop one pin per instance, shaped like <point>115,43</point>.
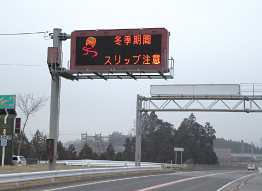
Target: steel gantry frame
<point>242,103</point>
<point>114,74</point>
<point>57,71</point>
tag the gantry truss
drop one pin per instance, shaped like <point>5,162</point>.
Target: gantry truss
<point>201,103</point>
<point>248,99</point>
<point>112,74</point>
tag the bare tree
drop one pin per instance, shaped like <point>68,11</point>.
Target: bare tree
<point>29,105</point>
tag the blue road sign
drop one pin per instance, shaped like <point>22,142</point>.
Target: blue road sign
<point>4,142</point>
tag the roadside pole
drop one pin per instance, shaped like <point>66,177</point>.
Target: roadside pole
<point>176,157</point>
<point>138,133</point>
<point>3,144</point>
<point>181,157</point>
<point>54,103</point>
<point>3,156</point>
<point>4,140</point>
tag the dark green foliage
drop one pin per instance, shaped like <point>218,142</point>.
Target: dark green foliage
<point>236,146</point>
<point>149,124</point>
<point>36,148</point>
<point>129,152</point>
<point>39,143</point>
<point>161,145</point>
<point>159,139</point>
<point>71,152</point>
<point>61,151</point>
<point>103,156</point>
<point>117,140</point>
<point>15,144</point>
<point>86,152</point>
<point>110,152</point>
<point>197,141</point>
<point>119,156</point>
<point>95,156</point>
<point>27,149</point>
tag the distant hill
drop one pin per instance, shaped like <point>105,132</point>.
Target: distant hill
<point>236,146</point>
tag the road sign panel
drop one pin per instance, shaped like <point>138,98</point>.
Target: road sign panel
<point>4,126</point>
<point>178,149</point>
<point>7,101</point>
<point>8,137</point>
<point>3,142</point>
<point>124,49</point>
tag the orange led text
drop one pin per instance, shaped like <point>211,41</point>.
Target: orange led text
<point>133,39</point>
<point>145,59</point>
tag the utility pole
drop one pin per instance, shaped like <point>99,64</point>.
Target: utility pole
<point>138,132</point>
<point>252,148</point>
<point>55,64</point>
<point>242,143</point>
<point>54,103</point>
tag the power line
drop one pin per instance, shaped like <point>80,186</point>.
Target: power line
<point>20,65</point>
<point>7,34</point>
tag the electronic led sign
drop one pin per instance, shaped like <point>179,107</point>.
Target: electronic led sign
<point>127,49</point>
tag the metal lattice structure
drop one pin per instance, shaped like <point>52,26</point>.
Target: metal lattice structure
<point>241,104</point>
<point>106,75</point>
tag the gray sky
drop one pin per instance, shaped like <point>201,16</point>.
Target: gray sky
<point>216,41</point>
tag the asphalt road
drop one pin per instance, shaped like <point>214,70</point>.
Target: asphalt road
<point>216,180</point>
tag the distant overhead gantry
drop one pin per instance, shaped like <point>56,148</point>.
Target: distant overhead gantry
<point>197,97</point>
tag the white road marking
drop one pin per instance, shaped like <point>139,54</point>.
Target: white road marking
<point>233,182</point>
<point>100,182</point>
<point>149,188</point>
<point>175,182</point>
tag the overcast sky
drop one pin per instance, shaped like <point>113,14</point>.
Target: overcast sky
<point>212,41</point>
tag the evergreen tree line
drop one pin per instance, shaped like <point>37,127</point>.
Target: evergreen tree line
<point>36,148</point>
<point>237,146</point>
<point>158,141</point>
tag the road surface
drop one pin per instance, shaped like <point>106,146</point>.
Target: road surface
<point>213,180</point>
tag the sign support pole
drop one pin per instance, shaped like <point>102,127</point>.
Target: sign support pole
<point>177,149</point>
<point>3,150</point>
<point>176,158</point>
<point>138,132</point>
<point>54,103</point>
<point>181,157</point>
<point>6,116</point>
<point>3,156</point>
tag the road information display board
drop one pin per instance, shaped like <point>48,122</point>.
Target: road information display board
<point>125,49</point>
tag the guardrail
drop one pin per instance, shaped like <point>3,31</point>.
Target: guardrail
<point>251,89</point>
<point>104,163</point>
<point>20,177</point>
<point>87,163</point>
